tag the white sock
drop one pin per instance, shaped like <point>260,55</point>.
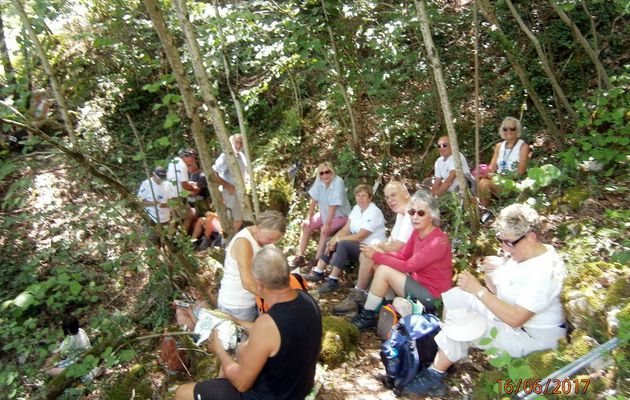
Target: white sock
<point>315,269</point>
<point>334,278</point>
<point>373,302</point>
<point>435,369</point>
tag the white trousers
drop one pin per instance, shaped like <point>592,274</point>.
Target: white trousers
<point>517,342</point>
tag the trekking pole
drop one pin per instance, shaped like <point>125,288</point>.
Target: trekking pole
<point>569,369</point>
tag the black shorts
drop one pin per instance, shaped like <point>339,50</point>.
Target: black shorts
<point>219,389</point>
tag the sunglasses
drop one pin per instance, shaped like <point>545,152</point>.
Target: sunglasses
<point>510,243</point>
<point>322,173</point>
<point>505,129</point>
<point>442,145</point>
<point>413,212</point>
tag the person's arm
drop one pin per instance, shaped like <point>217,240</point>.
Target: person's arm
<point>344,231</point>
<point>523,159</point>
<point>397,258</point>
<point>440,188</point>
<point>512,314</point>
<point>422,257</point>
<point>243,253</point>
<point>311,210</point>
<point>353,237</point>
<point>325,230</point>
<point>495,158</point>
<point>263,342</point>
<point>391,246</point>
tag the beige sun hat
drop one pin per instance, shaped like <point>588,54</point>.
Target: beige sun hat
<point>464,326</point>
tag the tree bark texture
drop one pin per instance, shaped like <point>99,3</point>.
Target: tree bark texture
<point>584,43</point>
<point>546,65</point>
<point>56,88</point>
<point>436,66</point>
<point>242,122</point>
<point>190,103</point>
<point>506,44</point>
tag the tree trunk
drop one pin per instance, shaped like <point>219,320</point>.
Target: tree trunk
<point>56,88</point>
<point>476,53</point>
<point>4,55</point>
<point>354,125</point>
<point>190,103</point>
<point>601,71</point>
<point>595,41</point>
<point>242,122</point>
<point>506,44</point>
<point>191,106</point>
<point>436,66</point>
<point>546,65</point>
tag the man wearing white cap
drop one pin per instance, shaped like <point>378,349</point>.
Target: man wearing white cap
<point>521,300</point>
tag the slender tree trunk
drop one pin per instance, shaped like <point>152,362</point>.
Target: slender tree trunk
<point>595,40</point>
<point>436,66</point>
<point>546,65</point>
<point>242,122</point>
<point>206,90</point>
<point>601,71</point>
<point>477,119</point>
<point>4,55</point>
<point>506,44</point>
<point>354,125</point>
<point>56,88</point>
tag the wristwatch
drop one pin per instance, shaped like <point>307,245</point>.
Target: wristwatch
<point>481,292</point>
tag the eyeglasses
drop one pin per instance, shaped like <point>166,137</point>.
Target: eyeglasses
<point>413,212</point>
<point>506,128</point>
<point>442,145</point>
<point>508,243</point>
<point>322,173</point>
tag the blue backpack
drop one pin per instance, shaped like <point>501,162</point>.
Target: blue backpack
<point>409,348</point>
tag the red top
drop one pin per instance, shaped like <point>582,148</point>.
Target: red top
<point>428,261</point>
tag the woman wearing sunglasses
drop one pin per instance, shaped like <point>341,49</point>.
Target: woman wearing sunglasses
<point>521,300</point>
<point>510,157</point>
<point>329,194</point>
<point>423,268</point>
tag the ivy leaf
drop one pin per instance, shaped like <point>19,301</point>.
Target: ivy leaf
<point>75,288</point>
<point>171,119</point>
<point>24,300</point>
<point>163,141</point>
<point>127,355</point>
<point>138,156</point>
<point>485,341</point>
<point>493,332</point>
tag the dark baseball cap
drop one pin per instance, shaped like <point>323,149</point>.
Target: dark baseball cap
<point>160,172</point>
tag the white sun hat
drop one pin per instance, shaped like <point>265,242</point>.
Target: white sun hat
<point>463,325</point>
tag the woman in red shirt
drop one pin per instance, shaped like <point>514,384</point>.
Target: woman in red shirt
<point>423,269</point>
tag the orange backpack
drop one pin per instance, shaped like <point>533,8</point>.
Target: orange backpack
<point>296,281</point>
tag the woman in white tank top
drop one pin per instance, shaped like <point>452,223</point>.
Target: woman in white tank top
<point>510,156</point>
<point>237,294</point>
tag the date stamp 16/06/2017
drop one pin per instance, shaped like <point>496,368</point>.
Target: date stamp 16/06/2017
<point>537,386</point>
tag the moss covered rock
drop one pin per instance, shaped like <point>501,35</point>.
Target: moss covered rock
<point>132,384</point>
<point>338,340</point>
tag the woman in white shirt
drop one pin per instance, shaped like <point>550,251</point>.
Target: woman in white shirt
<point>237,294</point>
<point>521,301</point>
<point>366,224</point>
<point>510,157</point>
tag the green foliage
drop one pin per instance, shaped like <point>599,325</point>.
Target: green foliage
<point>603,139</point>
<point>274,192</point>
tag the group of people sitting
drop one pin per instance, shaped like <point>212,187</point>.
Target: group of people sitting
<point>184,181</point>
<point>521,296</point>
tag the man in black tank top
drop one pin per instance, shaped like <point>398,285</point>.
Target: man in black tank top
<point>278,360</point>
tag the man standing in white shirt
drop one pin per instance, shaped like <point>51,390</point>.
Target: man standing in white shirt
<point>444,169</point>
<point>228,181</point>
<point>155,193</point>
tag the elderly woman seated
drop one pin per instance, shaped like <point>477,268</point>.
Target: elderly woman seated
<point>423,268</point>
<point>365,224</point>
<point>521,300</point>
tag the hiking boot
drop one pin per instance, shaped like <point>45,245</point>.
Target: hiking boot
<point>366,319</point>
<point>428,382</point>
<point>350,304</point>
<point>330,286</point>
<point>315,276</point>
<point>298,262</point>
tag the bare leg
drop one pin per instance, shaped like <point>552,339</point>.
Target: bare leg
<point>386,278</point>
<point>441,363</point>
<point>198,228</point>
<point>304,237</point>
<point>184,317</point>
<point>185,392</point>
<point>486,189</point>
<point>366,271</point>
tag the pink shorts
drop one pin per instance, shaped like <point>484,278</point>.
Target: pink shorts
<point>336,224</point>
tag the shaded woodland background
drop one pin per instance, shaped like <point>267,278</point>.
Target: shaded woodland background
<point>345,81</point>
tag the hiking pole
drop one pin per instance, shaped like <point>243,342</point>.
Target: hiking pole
<point>567,370</point>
